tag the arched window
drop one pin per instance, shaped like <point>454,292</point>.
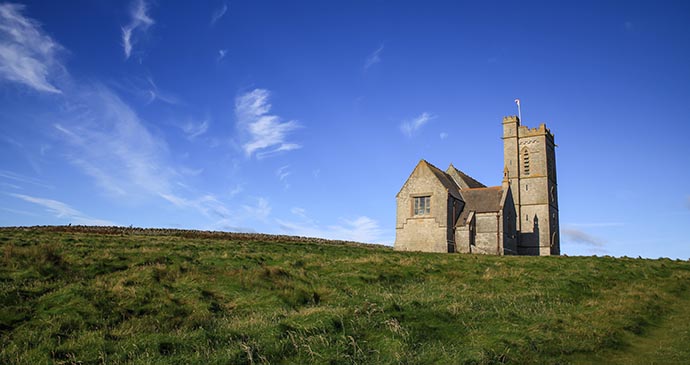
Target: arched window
<point>525,161</point>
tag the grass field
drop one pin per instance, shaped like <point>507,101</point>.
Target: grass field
<point>73,295</point>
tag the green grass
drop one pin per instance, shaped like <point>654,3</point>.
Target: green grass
<point>72,295</point>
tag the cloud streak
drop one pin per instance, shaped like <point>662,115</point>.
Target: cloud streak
<point>260,211</point>
<point>209,205</point>
<point>96,131</point>
<point>137,26</point>
<point>596,224</point>
<point>218,13</point>
<point>62,210</point>
<point>410,128</point>
<point>18,178</point>
<point>282,173</point>
<point>267,133</point>
<point>222,217</point>
<point>581,237</point>
<point>221,54</point>
<point>107,141</point>
<point>27,54</point>
<point>359,229</point>
<point>194,130</point>
<point>373,58</point>
<point>155,94</point>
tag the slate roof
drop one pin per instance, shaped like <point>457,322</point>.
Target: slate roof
<point>445,179</point>
<point>480,200</point>
<point>462,179</point>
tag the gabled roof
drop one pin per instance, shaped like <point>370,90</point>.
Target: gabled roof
<point>445,179</point>
<point>463,180</point>
<point>481,200</point>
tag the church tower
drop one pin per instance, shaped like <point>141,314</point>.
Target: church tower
<point>530,162</point>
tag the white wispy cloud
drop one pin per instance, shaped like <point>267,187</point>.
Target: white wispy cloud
<point>373,58</point>
<point>19,178</point>
<point>235,190</point>
<point>62,210</point>
<point>581,237</point>
<point>193,130</point>
<point>283,172</point>
<point>359,229</point>
<point>443,135</point>
<point>222,217</point>
<point>154,93</point>
<point>260,211</point>
<point>409,128</point>
<point>267,132</point>
<point>219,13</point>
<point>96,131</point>
<point>146,89</point>
<point>187,171</point>
<point>22,212</point>
<point>108,141</point>
<point>27,55</point>
<point>11,186</point>
<point>209,205</point>
<point>300,212</point>
<point>595,224</point>
<point>628,26</point>
<point>11,141</point>
<point>221,54</point>
<point>137,26</point>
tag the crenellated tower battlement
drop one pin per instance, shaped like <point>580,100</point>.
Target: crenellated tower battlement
<point>530,166</point>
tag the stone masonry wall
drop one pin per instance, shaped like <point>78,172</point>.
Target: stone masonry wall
<point>422,233</point>
<point>530,159</point>
<point>487,239</point>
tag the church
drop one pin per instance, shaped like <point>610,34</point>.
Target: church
<point>449,211</point>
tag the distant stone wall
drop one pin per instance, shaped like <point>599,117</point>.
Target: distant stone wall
<point>186,233</point>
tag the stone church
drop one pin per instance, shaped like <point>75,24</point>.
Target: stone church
<point>449,211</point>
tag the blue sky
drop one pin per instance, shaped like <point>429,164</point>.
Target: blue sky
<point>306,117</point>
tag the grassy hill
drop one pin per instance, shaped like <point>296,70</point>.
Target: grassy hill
<point>87,295</point>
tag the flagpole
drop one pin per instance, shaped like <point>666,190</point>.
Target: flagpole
<point>517,101</point>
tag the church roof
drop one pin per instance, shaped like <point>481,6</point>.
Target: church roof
<point>444,178</point>
<point>480,200</point>
<point>463,180</point>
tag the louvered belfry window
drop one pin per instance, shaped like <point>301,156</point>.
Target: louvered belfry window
<point>525,161</point>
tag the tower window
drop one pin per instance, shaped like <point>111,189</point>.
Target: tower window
<point>525,161</point>
<point>422,205</point>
